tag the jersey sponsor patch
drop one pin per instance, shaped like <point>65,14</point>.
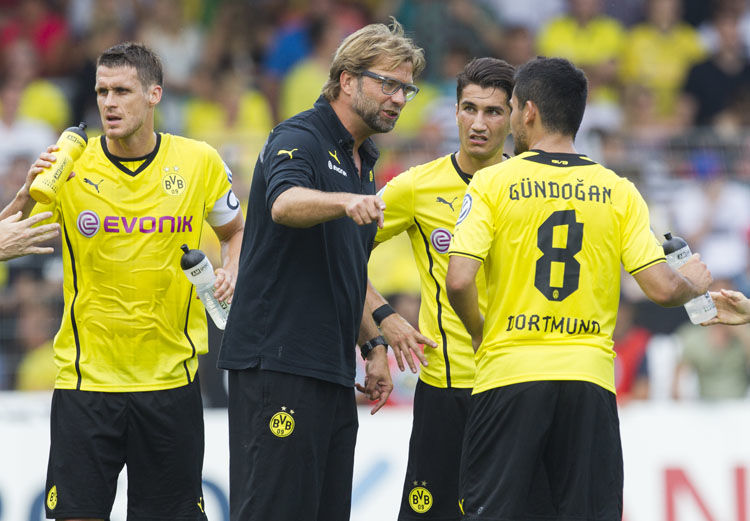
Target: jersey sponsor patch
<point>440,238</point>
<point>282,423</point>
<point>420,499</point>
<point>465,208</point>
<point>337,169</point>
<point>88,223</point>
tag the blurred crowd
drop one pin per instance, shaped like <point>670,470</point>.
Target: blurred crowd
<point>669,108</point>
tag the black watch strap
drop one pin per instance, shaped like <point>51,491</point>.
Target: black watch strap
<point>371,344</point>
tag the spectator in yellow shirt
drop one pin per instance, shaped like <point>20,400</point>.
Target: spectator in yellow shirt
<point>591,40</point>
<point>659,52</point>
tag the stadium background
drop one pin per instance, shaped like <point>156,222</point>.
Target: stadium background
<point>669,109</point>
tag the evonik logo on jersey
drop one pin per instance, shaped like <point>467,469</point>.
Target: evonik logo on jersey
<point>89,223</point>
<point>336,168</point>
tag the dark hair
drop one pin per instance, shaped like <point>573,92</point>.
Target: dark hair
<point>558,89</point>
<point>486,72</point>
<point>129,54</point>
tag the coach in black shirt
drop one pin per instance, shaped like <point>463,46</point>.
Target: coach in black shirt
<point>295,319</point>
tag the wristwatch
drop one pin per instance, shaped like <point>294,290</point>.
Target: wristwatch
<point>371,344</point>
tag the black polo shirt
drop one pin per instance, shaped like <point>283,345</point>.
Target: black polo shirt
<point>298,301</point>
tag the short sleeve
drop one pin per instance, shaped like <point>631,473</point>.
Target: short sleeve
<point>398,195</point>
<point>474,229</point>
<point>640,247</point>
<point>288,162</point>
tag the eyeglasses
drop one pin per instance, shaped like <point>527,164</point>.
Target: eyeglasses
<point>391,86</point>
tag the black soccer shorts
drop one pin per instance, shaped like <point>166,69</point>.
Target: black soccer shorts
<point>158,434</point>
<point>431,484</point>
<point>543,451</point>
<point>291,447</point>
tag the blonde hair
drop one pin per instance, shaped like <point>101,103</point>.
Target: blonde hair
<point>363,48</point>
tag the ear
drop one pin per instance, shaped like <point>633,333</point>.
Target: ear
<point>154,94</point>
<point>348,82</point>
<point>530,112</point>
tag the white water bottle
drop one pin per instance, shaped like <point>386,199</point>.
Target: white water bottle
<point>200,272</point>
<point>702,308</point>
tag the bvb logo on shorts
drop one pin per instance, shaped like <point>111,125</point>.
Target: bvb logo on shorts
<point>52,497</point>
<point>420,499</point>
<point>282,423</point>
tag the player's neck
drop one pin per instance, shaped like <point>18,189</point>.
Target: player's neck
<point>136,145</point>
<point>553,143</point>
<point>469,165</point>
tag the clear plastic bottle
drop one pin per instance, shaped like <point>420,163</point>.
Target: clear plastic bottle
<point>702,308</point>
<point>200,272</point>
<point>72,143</point>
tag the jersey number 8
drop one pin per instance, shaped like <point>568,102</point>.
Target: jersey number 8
<point>565,256</point>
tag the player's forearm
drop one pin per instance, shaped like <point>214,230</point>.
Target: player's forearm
<point>461,287</point>
<point>230,240</point>
<point>367,328</point>
<point>230,253</point>
<point>465,303</point>
<point>668,287</point>
<point>300,207</point>
<point>22,202</point>
<point>374,299</point>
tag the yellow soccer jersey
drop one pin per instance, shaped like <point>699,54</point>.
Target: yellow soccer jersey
<point>131,319</point>
<point>552,231</point>
<point>425,201</point>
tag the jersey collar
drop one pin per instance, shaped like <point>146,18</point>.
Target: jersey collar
<point>342,136</point>
<point>466,177</point>
<point>561,159</point>
<point>118,161</point>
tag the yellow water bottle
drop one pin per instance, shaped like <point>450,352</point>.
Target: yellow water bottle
<point>72,143</point>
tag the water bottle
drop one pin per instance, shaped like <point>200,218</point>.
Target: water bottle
<point>702,308</point>
<point>72,143</point>
<point>198,270</point>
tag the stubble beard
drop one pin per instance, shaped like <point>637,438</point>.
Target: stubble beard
<point>520,145</point>
<point>369,111</point>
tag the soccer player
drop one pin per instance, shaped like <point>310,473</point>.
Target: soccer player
<point>297,314</point>
<point>127,350</point>
<point>424,201</point>
<point>550,227</point>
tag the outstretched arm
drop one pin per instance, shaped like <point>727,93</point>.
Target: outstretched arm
<point>669,287</point>
<point>732,308</point>
<point>20,237</point>
<point>300,207</point>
